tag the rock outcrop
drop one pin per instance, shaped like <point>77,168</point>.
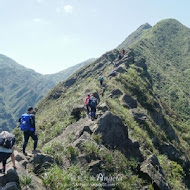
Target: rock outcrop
<point>151,170</point>
<point>129,102</point>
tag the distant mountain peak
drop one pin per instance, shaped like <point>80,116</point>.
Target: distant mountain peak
<point>134,36</point>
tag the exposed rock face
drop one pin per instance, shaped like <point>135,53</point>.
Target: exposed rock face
<point>158,118</point>
<point>151,170</point>
<point>129,102</point>
<point>115,135</point>
<point>76,112</point>
<point>116,93</point>
<point>114,132</point>
<point>70,82</point>
<point>41,162</point>
<point>121,70</point>
<point>13,177</point>
<point>174,154</point>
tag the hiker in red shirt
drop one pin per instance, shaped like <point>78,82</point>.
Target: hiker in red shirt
<point>86,103</point>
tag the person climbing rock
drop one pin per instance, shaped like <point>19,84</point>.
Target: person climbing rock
<point>101,79</point>
<point>27,125</point>
<point>93,105</point>
<point>7,141</point>
<point>86,103</point>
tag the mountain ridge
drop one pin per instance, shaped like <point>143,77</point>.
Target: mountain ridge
<point>137,133</point>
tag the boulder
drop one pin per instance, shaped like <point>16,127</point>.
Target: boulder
<point>116,93</point>
<point>85,129</point>
<point>76,112</point>
<point>120,70</point>
<point>12,176</point>
<point>129,102</point>
<point>151,170</point>
<point>114,132</point>
<point>41,162</point>
<point>82,140</point>
<point>103,107</point>
<point>10,186</point>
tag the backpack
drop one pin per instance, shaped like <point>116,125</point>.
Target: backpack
<point>7,139</point>
<point>101,79</point>
<point>93,102</point>
<point>25,122</point>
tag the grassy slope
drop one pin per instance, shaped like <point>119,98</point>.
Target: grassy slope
<point>20,87</point>
<point>166,48</point>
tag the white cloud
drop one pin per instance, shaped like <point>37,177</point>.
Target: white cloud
<point>68,9</point>
<point>37,20</point>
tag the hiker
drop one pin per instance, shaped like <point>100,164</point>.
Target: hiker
<point>27,125</point>
<point>119,57</point>
<point>122,52</point>
<point>7,141</point>
<point>101,79</point>
<point>86,103</point>
<point>93,105</point>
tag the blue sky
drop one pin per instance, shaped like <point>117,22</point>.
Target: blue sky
<point>51,35</point>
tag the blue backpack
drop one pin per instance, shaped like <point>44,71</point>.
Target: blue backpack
<point>25,122</point>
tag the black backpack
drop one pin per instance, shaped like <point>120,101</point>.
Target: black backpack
<point>7,139</point>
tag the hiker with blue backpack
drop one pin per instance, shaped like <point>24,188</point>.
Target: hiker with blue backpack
<point>27,125</point>
<point>93,105</point>
<point>7,141</point>
<point>101,79</point>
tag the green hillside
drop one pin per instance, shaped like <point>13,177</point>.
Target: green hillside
<point>21,87</point>
<point>141,133</point>
<point>166,48</point>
